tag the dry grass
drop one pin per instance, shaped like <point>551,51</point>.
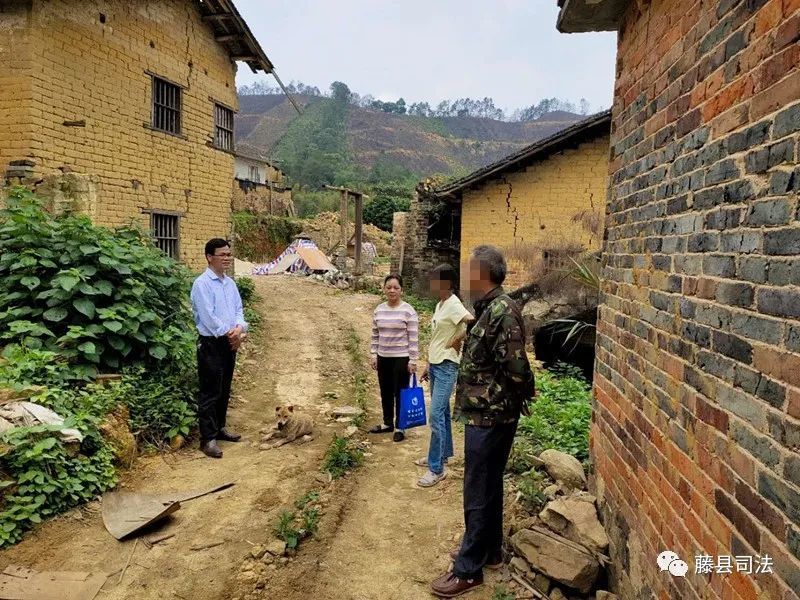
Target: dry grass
<point>547,267</point>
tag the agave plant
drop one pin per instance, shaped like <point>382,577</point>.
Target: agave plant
<point>574,330</point>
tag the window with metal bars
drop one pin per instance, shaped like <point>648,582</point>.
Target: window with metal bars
<point>223,127</point>
<point>166,233</point>
<point>166,106</point>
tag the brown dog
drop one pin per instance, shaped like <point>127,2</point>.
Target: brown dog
<point>290,426</point>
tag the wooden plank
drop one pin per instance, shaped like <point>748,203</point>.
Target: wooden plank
<point>359,232</point>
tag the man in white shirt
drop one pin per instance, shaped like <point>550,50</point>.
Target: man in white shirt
<point>219,317</point>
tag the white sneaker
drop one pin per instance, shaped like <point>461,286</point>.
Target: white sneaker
<point>430,479</point>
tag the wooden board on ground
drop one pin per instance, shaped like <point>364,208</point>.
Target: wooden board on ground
<point>19,583</point>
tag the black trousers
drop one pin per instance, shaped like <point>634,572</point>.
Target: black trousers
<point>215,363</point>
<point>486,451</point>
<point>392,377</point>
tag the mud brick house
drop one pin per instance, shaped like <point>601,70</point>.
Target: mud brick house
<point>696,431</point>
<point>534,204</point>
<point>124,110</point>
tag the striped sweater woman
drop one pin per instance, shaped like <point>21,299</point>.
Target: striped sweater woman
<point>394,351</point>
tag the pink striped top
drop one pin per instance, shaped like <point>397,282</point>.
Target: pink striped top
<point>395,331</point>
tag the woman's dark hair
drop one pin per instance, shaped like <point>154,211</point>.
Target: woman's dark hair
<point>445,272</point>
<point>391,276</point>
<point>212,245</point>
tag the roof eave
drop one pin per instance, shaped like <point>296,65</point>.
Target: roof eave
<point>579,16</point>
<point>232,32</point>
<point>453,191</point>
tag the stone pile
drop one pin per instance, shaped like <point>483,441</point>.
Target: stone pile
<point>560,553</point>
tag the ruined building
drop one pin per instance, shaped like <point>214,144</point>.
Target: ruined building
<point>696,431</point>
<point>124,110</point>
<point>540,205</point>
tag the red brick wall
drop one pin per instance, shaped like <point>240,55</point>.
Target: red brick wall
<point>696,431</point>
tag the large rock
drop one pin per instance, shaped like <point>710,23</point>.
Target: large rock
<point>117,433</point>
<point>564,468</point>
<point>576,520</point>
<point>557,557</point>
<point>604,595</point>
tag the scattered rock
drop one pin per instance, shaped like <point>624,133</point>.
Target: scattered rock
<point>342,285</point>
<point>557,594</point>
<point>283,560</point>
<point>577,521</point>
<point>177,442</point>
<point>604,595</point>
<point>276,548</point>
<point>551,491</point>
<point>346,411</point>
<point>583,497</point>
<point>557,558</point>
<point>350,431</point>
<point>521,566</point>
<point>344,420</point>
<point>542,584</point>
<point>268,559</point>
<point>564,468</point>
<point>258,551</point>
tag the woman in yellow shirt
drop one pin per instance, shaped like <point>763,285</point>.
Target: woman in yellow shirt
<point>448,328</point>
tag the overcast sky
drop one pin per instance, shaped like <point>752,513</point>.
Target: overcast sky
<point>430,50</point>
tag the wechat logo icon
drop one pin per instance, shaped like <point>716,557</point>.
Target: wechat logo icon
<point>669,561</point>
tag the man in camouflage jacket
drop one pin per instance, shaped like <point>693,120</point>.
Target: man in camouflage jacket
<point>495,384</point>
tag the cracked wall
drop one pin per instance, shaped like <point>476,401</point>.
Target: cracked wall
<point>79,74</point>
<point>529,210</point>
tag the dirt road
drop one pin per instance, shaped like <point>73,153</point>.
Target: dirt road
<point>380,537</point>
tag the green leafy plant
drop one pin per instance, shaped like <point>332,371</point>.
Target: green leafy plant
<point>292,527</point>
<point>99,297</point>
<point>501,592</point>
<point>49,477</point>
<point>341,457</point>
<point>560,416</point>
<point>531,489</point>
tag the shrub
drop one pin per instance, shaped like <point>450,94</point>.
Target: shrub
<point>380,211</point>
<point>292,527</point>
<point>101,298</point>
<point>48,476</point>
<point>531,489</point>
<point>560,416</point>
<point>341,457</point>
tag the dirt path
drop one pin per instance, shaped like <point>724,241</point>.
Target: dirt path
<point>380,537</point>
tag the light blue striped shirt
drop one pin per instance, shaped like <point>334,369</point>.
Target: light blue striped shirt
<point>216,304</point>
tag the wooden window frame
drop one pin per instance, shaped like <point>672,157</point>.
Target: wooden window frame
<point>224,128</point>
<point>171,104</point>
<point>173,240</point>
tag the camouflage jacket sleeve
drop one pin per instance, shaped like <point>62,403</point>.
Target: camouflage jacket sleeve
<point>506,335</point>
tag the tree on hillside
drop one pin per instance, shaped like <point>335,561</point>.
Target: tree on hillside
<point>314,149</point>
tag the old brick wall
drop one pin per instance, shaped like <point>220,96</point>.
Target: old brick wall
<point>532,210</point>
<point>16,88</point>
<point>696,430</point>
<point>90,62</point>
<point>263,199</point>
<point>423,255</point>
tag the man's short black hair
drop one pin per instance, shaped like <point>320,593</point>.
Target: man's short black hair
<point>491,259</point>
<point>212,245</point>
<point>391,276</point>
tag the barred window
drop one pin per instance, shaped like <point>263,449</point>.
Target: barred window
<point>223,127</point>
<point>166,233</point>
<point>166,106</point>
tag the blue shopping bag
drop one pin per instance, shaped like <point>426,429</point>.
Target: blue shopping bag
<point>412,406</point>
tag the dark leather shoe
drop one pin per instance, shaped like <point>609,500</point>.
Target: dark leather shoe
<point>211,449</point>
<point>450,586</point>
<point>493,563</point>
<point>227,436</point>
<point>399,436</point>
